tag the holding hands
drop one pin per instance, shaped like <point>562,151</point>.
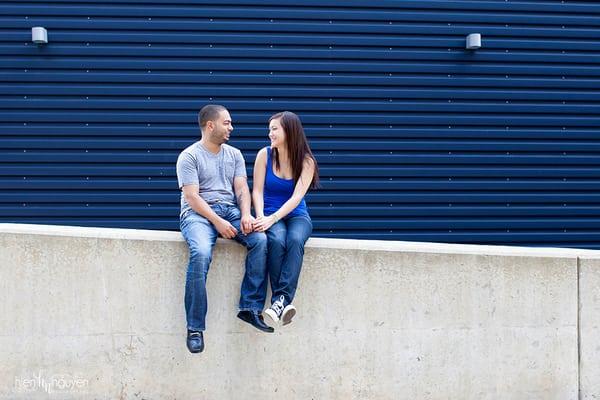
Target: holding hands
<point>262,223</point>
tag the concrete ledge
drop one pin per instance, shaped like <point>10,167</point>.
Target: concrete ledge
<point>102,309</point>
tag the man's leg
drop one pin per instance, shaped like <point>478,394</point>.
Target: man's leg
<point>201,237</point>
<point>254,285</point>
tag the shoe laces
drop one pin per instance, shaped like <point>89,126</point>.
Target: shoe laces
<point>278,306</point>
<point>193,334</point>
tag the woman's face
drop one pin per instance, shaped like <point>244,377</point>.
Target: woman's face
<point>276,134</point>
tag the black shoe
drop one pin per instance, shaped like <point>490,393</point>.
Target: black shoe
<point>195,341</point>
<point>256,320</point>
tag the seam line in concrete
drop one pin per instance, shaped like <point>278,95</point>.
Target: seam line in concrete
<point>579,396</point>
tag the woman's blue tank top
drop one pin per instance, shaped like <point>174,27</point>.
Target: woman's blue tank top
<point>278,190</point>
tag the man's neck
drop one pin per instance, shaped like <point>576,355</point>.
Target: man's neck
<point>213,148</point>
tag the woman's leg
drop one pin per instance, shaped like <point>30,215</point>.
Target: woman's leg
<point>298,232</point>
<point>276,236</point>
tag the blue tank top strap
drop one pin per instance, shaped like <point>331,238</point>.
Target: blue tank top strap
<point>269,165</point>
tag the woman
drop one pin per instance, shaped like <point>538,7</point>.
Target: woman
<point>283,173</point>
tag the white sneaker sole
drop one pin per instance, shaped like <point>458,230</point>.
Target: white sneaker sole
<point>272,319</point>
<point>288,313</point>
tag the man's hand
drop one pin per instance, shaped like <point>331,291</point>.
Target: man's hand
<point>247,223</point>
<point>225,229</point>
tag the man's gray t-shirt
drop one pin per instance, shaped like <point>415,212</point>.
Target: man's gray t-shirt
<point>213,173</point>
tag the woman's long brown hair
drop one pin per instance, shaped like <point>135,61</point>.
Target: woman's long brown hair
<point>297,146</point>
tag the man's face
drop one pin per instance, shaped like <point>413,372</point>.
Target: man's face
<point>222,128</point>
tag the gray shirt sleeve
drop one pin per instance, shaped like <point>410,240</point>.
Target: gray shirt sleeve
<point>186,170</point>
<point>240,165</point>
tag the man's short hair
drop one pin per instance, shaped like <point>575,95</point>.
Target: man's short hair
<point>209,112</point>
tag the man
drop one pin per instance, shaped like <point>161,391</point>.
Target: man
<point>212,176</point>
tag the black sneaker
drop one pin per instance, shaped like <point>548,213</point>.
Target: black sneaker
<point>274,312</point>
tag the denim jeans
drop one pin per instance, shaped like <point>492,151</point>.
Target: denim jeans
<point>201,236</point>
<point>286,240</point>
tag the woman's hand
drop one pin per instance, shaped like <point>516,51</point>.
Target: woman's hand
<point>263,223</point>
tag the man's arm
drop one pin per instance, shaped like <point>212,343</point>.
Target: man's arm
<point>242,193</point>
<point>200,206</point>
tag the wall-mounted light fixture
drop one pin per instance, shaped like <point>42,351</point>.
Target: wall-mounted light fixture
<point>473,41</point>
<point>39,35</point>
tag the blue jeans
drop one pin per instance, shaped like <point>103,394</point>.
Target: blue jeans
<point>201,236</point>
<point>286,240</point>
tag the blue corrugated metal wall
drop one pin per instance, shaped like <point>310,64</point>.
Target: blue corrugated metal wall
<point>417,138</point>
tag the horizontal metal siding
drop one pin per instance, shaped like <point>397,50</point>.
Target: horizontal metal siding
<point>417,138</point>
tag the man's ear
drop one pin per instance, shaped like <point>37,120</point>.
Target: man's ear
<point>210,126</point>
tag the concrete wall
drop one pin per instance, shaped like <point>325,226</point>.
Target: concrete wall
<point>98,313</point>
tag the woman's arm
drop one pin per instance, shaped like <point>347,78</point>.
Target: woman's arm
<point>302,186</point>
<point>258,184</point>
